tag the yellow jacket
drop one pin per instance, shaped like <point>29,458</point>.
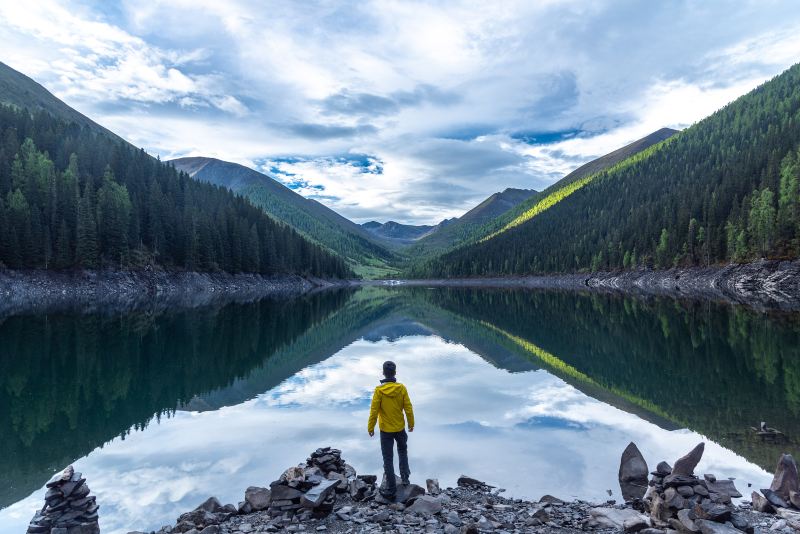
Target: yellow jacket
<point>389,402</point>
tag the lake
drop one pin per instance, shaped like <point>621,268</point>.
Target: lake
<point>532,391</point>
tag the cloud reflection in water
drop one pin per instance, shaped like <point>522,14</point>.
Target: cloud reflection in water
<point>530,433</point>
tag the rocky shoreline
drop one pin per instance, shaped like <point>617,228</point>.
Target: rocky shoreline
<point>120,291</point>
<point>765,284</point>
<point>325,494</point>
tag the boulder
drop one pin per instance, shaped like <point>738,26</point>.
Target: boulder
<point>614,517</point>
<point>632,473</point>
<point>257,498</point>
<point>786,479</point>
<point>686,464</point>
<point>774,499</point>
<point>761,504</point>
<point>710,527</point>
<point>794,498</point>
<point>358,489</point>
<point>317,495</point>
<point>433,486</point>
<point>426,505</point>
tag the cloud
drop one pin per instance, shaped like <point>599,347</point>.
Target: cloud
<point>456,101</point>
<point>365,104</point>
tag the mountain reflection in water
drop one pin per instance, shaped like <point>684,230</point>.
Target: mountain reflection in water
<point>537,392</point>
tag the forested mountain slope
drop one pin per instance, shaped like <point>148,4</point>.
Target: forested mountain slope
<point>309,217</point>
<point>470,224</point>
<point>19,91</point>
<point>724,189</point>
<point>72,196</point>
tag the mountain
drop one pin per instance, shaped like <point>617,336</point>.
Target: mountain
<point>725,189</point>
<point>461,229</point>
<point>73,195</point>
<point>366,255</point>
<point>571,182</point>
<point>20,91</point>
<point>397,232</point>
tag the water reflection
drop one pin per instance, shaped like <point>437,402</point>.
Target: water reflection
<point>537,392</point>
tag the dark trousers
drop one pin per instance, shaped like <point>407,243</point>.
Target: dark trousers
<point>387,449</point>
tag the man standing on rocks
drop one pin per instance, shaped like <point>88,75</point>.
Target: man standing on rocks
<point>389,402</point>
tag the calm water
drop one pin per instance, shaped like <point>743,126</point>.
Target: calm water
<point>536,392</point>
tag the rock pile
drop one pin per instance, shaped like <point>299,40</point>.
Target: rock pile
<point>783,495</point>
<point>68,507</point>
<point>681,501</point>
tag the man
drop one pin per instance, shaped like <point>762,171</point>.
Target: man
<point>389,402</point>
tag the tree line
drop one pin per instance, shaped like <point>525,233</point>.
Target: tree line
<point>71,198</point>
<point>725,189</point>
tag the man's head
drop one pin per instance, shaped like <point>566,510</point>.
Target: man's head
<point>389,369</point>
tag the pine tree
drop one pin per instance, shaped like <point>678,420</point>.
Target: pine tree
<point>87,249</point>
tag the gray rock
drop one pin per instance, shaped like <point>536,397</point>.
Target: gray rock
<point>210,505</point>
<point>614,517</point>
<point>791,517</point>
<point>774,499</point>
<point>712,511</point>
<point>725,486</point>
<point>380,517</point>
<point>663,468</point>
<point>406,493</point>
<point>211,529</point>
<point>700,490</point>
<point>635,524</point>
<point>450,529</point>
<point>676,480</point>
<point>711,527</point>
<point>685,491</point>
<point>673,499</point>
<point>453,519</point>
<point>794,498</point>
<point>549,499</point>
<point>426,505</point>
<point>257,498</point>
<point>433,486</point>
<point>780,524</point>
<point>686,518</point>
<point>632,473</point>
<point>279,492</point>
<point>317,494</point>
<point>469,482</point>
<point>761,504</point>
<point>786,478</point>
<point>686,464</point>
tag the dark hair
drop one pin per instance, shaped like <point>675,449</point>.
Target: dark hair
<point>389,369</point>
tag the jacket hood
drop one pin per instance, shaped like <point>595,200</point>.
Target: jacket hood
<point>391,389</point>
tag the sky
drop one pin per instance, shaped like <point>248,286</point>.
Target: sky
<point>398,110</point>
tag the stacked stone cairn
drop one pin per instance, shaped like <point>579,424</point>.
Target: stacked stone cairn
<point>783,495</point>
<point>68,507</point>
<point>679,500</point>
